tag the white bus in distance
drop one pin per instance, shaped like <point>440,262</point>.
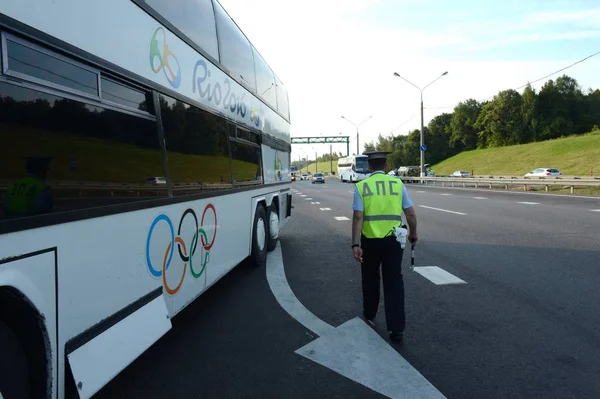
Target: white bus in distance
<point>353,168</point>
<point>95,259</point>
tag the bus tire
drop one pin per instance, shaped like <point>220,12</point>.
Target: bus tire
<point>273,218</point>
<point>260,235</point>
<point>14,368</point>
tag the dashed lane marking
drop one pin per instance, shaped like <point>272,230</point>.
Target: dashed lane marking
<point>325,209</point>
<point>316,203</point>
<point>479,198</point>
<point>437,275</point>
<point>528,203</point>
<point>442,210</point>
<point>341,218</point>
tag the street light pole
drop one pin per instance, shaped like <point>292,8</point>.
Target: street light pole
<point>357,139</point>
<point>422,127</point>
<point>330,160</point>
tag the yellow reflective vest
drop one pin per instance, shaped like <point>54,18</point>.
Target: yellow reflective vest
<point>21,197</point>
<point>381,196</point>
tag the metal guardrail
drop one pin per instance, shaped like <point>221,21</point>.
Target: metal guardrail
<point>508,181</point>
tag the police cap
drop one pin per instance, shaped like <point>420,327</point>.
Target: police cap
<point>373,155</point>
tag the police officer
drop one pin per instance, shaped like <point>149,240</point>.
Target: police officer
<point>30,195</point>
<point>379,201</point>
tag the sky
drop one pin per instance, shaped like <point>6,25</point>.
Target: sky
<point>338,57</point>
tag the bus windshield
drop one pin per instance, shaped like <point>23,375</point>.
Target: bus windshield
<point>361,165</point>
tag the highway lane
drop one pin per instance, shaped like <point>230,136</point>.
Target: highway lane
<point>525,325</point>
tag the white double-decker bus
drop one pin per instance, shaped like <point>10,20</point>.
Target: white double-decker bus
<point>144,153</point>
<point>353,168</point>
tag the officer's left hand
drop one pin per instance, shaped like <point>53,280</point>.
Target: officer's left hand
<point>357,253</point>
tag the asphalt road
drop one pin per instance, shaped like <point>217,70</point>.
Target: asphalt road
<point>525,324</point>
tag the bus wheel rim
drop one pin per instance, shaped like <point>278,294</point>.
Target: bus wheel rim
<point>261,236</point>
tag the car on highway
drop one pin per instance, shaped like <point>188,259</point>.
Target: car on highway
<point>318,178</point>
<point>544,172</point>
<point>304,176</point>
<point>461,173</point>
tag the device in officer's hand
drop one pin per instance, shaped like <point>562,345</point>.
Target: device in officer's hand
<point>401,234</point>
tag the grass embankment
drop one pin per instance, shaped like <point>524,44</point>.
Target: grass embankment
<point>77,158</point>
<point>573,156</point>
<point>322,167</point>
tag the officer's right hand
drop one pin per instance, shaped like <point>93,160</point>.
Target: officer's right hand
<point>413,238</point>
<point>357,254</point>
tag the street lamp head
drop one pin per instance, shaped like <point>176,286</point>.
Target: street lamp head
<point>396,74</point>
<point>445,73</point>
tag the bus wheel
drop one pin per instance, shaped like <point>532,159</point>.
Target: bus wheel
<point>14,370</point>
<point>260,236</point>
<point>273,227</point>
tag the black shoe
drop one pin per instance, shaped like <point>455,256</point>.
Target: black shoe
<point>370,322</point>
<point>396,336</point>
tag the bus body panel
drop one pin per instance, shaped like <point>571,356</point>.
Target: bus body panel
<point>93,366</point>
<point>99,266</point>
<point>107,23</point>
<point>99,273</point>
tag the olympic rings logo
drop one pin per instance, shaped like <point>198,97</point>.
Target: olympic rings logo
<point>163,57</point>
<point>182,249</point>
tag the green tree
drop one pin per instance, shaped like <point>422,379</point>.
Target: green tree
<point>462,125</point>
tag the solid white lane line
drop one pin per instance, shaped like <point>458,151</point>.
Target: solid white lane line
<point>438,276</point>
<point>528,203</point>
<point>442,210</point>
<point>341,218</point>
<point>325,209</point>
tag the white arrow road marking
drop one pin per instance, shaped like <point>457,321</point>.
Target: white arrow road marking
<point>341,218</point>
<point>325,209</point>
<point>437,275</point>
<point>353,349</point>
<point>442,210</point>
<point>316,203</point>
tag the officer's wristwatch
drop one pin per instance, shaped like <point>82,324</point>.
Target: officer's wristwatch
<point>355,246</point>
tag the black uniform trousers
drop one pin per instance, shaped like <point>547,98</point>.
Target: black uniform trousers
<point>387,253</point>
